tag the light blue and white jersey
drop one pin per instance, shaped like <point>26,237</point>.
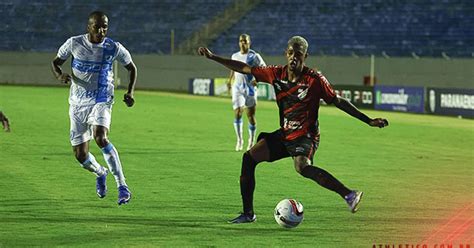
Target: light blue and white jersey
<point>92,70</point>
<point>253,59</point>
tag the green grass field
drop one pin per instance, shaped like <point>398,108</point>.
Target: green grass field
<point>177,153</point>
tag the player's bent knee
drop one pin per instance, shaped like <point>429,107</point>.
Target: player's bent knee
<point>248,164</point>
<point>101,140</point>
<point>248,159</point>
<point>299,167</point>
<point>261,135</point>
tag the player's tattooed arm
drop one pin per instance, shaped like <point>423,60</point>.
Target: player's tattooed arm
<point>58,72</point>
<point>229,63</point>
<point>347,107</point>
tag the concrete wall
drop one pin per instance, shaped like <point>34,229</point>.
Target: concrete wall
<point>173,72</point>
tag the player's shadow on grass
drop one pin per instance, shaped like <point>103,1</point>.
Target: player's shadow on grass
<point>113,228</point>
<point>176,224</point>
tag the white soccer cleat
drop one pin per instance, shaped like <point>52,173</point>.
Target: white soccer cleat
<point>239,146</point>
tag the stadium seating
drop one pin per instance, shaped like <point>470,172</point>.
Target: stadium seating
<point>352,27</point>
<point>332,27</point>
<point>143,26</point>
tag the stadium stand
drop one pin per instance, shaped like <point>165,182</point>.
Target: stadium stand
<point>352,27</point>
<point>143,26</point>
<point>333,27</point>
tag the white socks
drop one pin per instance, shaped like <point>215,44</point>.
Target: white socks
<point>113,161</point>
<point>238,126</point>
<point>238,129</point>
<point>252,132</point>
<point>91,165</point>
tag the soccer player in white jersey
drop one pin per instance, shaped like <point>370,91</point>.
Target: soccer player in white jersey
<point>91,98</point>
<point>244,91</point>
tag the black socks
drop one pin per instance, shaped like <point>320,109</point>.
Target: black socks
<point>325,179</point>
<point>247,182</point>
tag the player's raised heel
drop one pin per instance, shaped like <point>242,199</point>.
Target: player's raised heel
<point>124,195</point>
<point>101,185</point>
<point>353,200</point>
<point>243,218</point>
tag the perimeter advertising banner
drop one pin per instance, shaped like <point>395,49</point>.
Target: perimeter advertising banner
<point>360,96</point>
<point>459,102</point>
<point>220,87</point>
<point>201,86</point>
<point>399,98</point>
<point>265,91</point>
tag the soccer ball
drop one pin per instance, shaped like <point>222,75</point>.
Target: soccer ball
<point>288,213</point>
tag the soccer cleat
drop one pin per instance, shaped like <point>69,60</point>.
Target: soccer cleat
<point>124,195</point>
<point>239,145</point>
<point>243,218</point>
<point>101,185</point>
<point>353,200</point>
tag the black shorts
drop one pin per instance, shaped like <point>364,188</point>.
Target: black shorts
<point>281,148</point>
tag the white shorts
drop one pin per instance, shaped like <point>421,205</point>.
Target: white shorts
<point>241,98</point>
<point>83,118</point>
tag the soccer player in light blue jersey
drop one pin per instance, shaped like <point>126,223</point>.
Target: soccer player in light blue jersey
<point>92,95</point>
<point>244,91</point>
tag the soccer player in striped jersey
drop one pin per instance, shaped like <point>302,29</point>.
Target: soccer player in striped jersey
<point>244,91</point>
<point>91,97</point>
<point>298,92</point>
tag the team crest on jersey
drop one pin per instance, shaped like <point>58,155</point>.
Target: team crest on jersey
<point>302,93</point>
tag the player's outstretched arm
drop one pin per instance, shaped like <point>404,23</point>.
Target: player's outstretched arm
<point>347,107</point>
<point>229,63</point>
<point>132,72</point>
<point>58,72</point>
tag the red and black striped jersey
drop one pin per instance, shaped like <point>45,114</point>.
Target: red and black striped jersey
<point>298,102</point>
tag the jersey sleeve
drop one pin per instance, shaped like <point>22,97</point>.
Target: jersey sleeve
<point>327,92</point>
<point>264,74</point>
<point>123,55</point>
<point>65,50</point>
<point>260,61</point>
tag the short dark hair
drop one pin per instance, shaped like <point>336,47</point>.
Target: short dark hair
<point>97,14</point>
<point>245,36</point>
